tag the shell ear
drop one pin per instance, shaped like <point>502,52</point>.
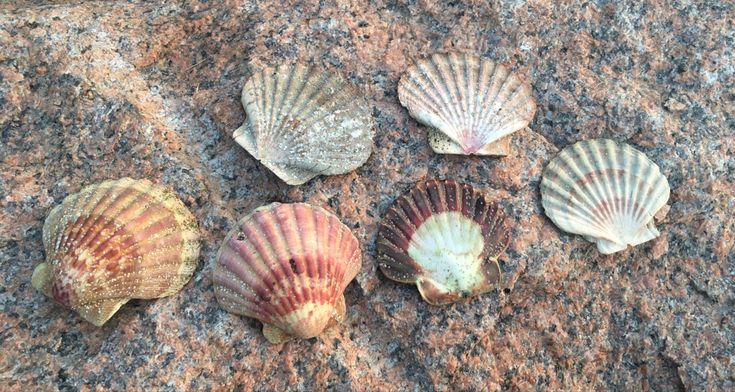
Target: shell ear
<point>275,335</point>
<point>492,272</point>
<point>340,310</point>
<point>41,278</point>
<point>98,312</point>
<point>434,294</point>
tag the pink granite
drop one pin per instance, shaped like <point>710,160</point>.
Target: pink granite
<point>97,90</point>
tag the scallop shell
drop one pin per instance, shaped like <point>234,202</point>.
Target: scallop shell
<point>116,241</point>
<point>445,237</point>
<point>304,121</point>
<point>287,265</point>
<point>606,191</point>
<point>469,102</point>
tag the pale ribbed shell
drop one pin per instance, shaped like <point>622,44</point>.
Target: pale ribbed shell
<point>304,121</point>
<point>473,101</point>
<point>606,191</point>
<point>445,237</point>
<point>287,265</point>
<point>115,241</point>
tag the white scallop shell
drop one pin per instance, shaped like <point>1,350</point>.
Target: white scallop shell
<point>471,100</point>
<point>606,191</point>
<point>304,121</point>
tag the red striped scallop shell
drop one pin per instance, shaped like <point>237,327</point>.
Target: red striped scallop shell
<point>287,265</point>
<point>115,241</point>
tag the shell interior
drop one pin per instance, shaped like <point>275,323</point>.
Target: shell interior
<point>445,237</point>
<point>287,265</point>
<point>606,191</point>
<point>303,121</point>
<point>115,241</point>
<point>473,101</point>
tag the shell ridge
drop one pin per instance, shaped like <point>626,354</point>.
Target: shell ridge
<point>292,241</point>
<point>98,201</point>
<point>498,125</point>
<point>445,69</point>
<point>302,236</point>
<point>655,199</point>
<point>604,172</point>
<point>486,70</point>
<point>81,202</point>
<point>311,89</point>
<point>269,126</point>
<point>332,102</point>
<point>411,98</point>
<point>269,227</point>
<point>253,232</point>
<point>569,214</point>
<point>580,169</point>
<point>572,218</point>
<point>563,198</point>
<point>137,242</point>
<point>336,268</point>
<point>494,89</point>
<point>80,239</point>
<point>286,93</point>
<point>157,244</point>
<point>598,165</point>
<point>463,88</point>
<point>284,89</point>
<point>125,205</point>
<point>271,85</point>
<point>622,182</point>
<point>515,117</point>
<point>427,70</point>
<point>247,283</point>
<point>424,84</point>
<point>127,236</point>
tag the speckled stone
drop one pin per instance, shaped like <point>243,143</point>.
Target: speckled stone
<point>97,90</point>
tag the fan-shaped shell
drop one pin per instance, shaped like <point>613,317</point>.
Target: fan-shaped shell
<point>287,265</point>
<point>606,191</point>
<point>115,241</point>
<point>445,237</point>
<point>471,101</point>
<point>304,121</point>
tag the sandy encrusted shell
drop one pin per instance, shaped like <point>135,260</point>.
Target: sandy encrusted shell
<point>304,121</point>
<point>470,102</point>
<point>606,191</point>
<point>445,237</point>
<point>287,265</point>
<point>115,241</point>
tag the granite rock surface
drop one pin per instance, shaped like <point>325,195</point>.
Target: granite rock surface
<point>104,89</point>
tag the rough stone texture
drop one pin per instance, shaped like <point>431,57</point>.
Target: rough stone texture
<point>98,90</point>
